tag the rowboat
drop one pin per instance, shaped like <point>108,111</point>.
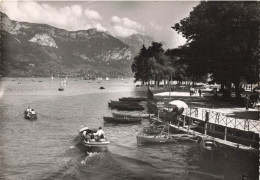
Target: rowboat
<point>123,103</point>
<point>92,143</point>
<point>133,99</point>
<point>132,115</point>
<point>30,116</point>
<point>127,108</point>
<point>122,120</point>
<point>208,145</point>
<point>153,129</point>
<point>164,138</point>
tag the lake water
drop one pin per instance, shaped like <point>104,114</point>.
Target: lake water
<point>49,147</point>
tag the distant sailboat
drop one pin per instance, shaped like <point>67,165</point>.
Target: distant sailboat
<point>61,88</point>
<point>107,79</point>
<point>52,78</point>
<point>122,78</point>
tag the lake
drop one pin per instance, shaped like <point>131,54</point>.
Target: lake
<point>49,147</point>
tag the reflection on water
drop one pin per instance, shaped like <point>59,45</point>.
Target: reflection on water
<point>49,148</point>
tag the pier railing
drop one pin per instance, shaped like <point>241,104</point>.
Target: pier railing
<point>230,121</point>
<point>191,112</point>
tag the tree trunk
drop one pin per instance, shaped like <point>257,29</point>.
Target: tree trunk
<point>222,87</point>
<point>237,89</point>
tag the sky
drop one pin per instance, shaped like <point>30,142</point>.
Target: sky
<point>119,18</point>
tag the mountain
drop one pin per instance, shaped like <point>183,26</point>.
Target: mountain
<point>136,41</point>
<point>29,49</point>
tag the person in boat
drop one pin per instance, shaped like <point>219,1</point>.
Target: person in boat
<point>28,110</point>
<point>92,137</point>
<point>32,111</point>
<point>100,133</point>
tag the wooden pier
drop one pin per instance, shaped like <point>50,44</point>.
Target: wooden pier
<point>228,130</point>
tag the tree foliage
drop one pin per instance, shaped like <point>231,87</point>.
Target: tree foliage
<point>222,39</point>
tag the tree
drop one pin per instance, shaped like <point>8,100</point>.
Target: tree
<point>223,39</point>
<point>148,64</point>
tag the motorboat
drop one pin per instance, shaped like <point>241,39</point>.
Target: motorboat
<point>122,119</point>
<point>87,141</point>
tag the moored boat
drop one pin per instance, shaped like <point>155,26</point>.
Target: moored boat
<point>123,103</point>
<point>122,120</point>
<point>132,115</point>
<point>127,107</point>
<point>133,99</point>
<point>208,145</point>
<point>164,138</point>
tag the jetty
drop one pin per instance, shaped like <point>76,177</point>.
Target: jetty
<point>229,130</point>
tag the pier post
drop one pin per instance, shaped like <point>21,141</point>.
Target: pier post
<point>225,135</point>
<point>205,128</point>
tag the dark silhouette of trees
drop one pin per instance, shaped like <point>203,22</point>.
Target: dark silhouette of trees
<point>223,40</point>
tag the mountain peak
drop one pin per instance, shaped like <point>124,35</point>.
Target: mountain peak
<point>3,15</point>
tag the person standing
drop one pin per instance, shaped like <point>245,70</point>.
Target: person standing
<point>199,92</point>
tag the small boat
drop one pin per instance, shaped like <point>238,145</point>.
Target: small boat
<point>164,138</point>
<point>30,116</point>
<point>153,129</point>
<point>208,145</point>
<point>133,99</point>
<point>101,87</point>
<point>123,103</point>
<point>61,88</point>
<point>132,115</point>
<point>127,107</point>
<point>92,143</point>
<point>122,120</point>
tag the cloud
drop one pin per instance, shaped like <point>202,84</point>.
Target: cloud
<point>124,32</point>
<point>125,26</point>
<point>155,25</point>
<point>67,17</point>
<point>91,14</point>
<point>96,25</point>
<point>76,9</point>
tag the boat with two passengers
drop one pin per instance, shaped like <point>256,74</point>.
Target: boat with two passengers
<point>85,135</point>
<point>122,120</point>
<point>30,115</point>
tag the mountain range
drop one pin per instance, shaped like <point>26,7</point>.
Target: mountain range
<point>29,49</point>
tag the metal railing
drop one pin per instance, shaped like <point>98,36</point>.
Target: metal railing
<point>191,112</point>
<point>230,121</point>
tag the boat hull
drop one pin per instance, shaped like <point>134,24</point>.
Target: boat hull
<point>173,138</point>
<point>122,120</point>
<point>131,115</point>
<point>30,117</point>
<point>94,145</point>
